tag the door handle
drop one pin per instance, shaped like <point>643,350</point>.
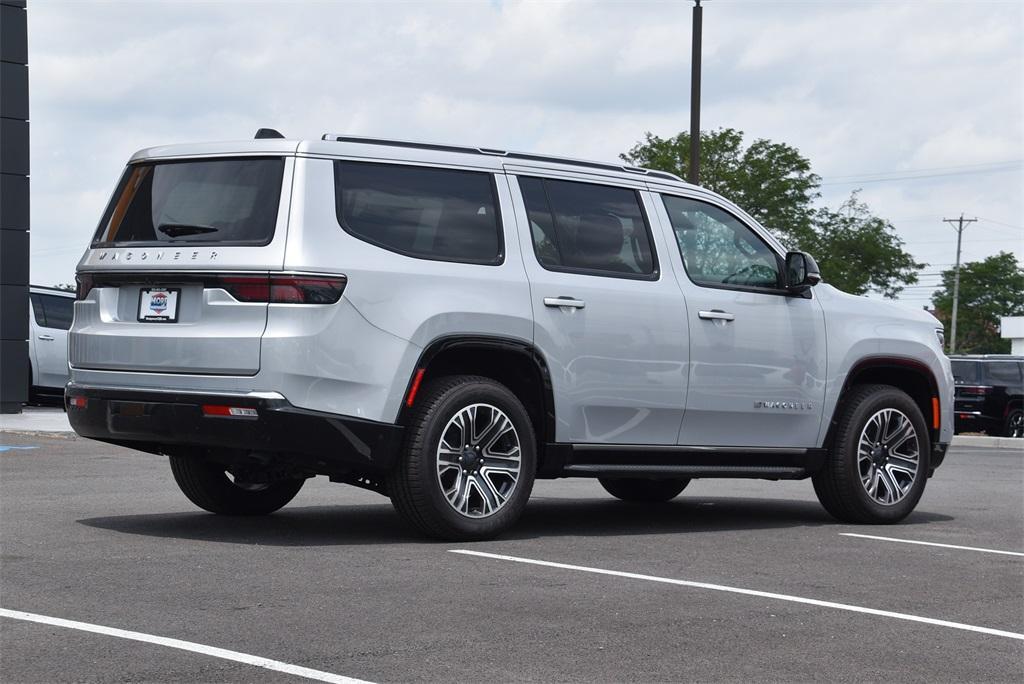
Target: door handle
<point>564,301</point>
<point>715,315</point>
<point>48,338</point>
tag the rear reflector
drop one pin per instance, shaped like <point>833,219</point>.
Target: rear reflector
<point>229,411</point>
<point>283,289</point>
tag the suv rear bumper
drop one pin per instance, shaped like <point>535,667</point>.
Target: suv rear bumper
<point>172,422</point>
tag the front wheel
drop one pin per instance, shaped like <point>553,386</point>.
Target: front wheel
<point>1015,423</point>
<point>639,490</point>
<point>208,486</point>
<point>467,466</point>
<point>878,465</point>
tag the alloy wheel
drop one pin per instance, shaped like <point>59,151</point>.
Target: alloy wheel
<point>888,456</point>
<point>478,460</point>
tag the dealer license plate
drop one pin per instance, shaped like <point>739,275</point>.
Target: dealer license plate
<point>159,304</point>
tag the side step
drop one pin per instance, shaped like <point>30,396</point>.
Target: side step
<point>671,461</point>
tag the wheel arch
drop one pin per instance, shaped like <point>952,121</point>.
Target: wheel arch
<point>910,375</point>
<point>517,364</point>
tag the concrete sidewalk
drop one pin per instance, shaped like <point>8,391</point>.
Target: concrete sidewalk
<point>44,419</point>
<point>35,419</point>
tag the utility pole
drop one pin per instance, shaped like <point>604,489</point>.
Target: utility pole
<point>694,170</point>
<point>960,225</point>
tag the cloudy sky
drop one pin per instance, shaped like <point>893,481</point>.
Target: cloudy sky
<point>920,104</point>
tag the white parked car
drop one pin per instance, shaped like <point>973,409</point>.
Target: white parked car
<point>50,314</point>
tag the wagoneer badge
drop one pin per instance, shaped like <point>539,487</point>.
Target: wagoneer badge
<point>791,405</point>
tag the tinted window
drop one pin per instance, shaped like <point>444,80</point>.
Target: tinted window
<point>224,201</point>
<point>424,212</point>
<point>1002,373</point>
<point>718,249</point>
<point>37,309</point>
<point>587,228</point>
<point>58,311</point>
<point>965,372</point>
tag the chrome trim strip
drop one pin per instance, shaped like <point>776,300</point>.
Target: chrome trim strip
<point>163,390</point>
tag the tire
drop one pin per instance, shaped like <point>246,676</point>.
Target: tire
<point>208,486</point>
<point>1014,423</point>
<point>873,484</point>
<point>464,493</point>
<point>640,490</point>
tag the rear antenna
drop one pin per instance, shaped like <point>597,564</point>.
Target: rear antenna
<point>267,133</point>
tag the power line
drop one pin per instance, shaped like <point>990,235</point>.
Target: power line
<point>933,168</point>
<point>920,177</point>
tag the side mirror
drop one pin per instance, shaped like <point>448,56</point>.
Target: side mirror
<point>801,273</point>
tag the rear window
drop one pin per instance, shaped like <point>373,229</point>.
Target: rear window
<point>222,201</point>
<point>1002,373</point>
<point>965,372</point>
<point>419,211</point>
<point>53,312</point>
<point>588,228</point>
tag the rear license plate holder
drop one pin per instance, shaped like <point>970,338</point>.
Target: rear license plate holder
<point>159,304</point>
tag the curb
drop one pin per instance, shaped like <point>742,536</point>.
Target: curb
<point>989,442</point>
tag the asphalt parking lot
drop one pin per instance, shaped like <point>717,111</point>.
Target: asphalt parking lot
<point>709,587</point>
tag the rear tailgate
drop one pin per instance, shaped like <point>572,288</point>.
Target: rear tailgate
<point>152,293</point>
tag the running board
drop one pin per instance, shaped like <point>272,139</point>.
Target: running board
<point>687,471</point>
<point>677,461</point>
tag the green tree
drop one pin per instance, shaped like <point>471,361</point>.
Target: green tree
<point>857,251</point>
<point>771,181</point>
<point>989,289</point>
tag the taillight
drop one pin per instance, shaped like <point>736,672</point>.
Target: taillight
<point>84,284</point>
<point>976,391</point>
<point>283,289</point>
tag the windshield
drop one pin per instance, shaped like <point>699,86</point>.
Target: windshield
<point>223,201</point>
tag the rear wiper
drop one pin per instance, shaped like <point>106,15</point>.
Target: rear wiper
<point>178,229</point>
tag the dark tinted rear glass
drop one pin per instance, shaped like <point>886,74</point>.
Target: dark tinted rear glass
<point>222,201</point>
<point>419,211</point>
<point>59,311</point>
<point>589,228</point>
<point>965,372</point>
<point>1002,372</point>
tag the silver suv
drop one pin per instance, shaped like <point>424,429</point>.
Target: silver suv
<point>445,324</point>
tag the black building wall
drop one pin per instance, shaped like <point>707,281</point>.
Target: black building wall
<point>14,234</point>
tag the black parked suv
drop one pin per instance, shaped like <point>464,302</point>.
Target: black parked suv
<point>988,394</point>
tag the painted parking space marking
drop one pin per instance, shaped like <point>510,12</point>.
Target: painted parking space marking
<point>5,447</point>
<point>750,592</point>
<point>924,543</point>
<point>255,661</point>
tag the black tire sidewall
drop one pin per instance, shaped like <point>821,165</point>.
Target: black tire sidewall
<point>1008,425</point>
<point>854,422</point>
<point>642,490</point>
<point>454,399</point>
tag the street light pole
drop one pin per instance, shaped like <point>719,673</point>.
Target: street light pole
<point>694,170</point>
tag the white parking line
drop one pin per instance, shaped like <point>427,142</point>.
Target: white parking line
<point>256,661</point>
<point>924,543</point>
<point>751,592</point>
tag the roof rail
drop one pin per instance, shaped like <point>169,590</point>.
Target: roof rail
<point>441,147</point>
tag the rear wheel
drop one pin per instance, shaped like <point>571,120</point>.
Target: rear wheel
<point>468,462</point>
<point>210,487</point>
<point>1015,423</point>
<point>878,466</point>
<point>643,490</point>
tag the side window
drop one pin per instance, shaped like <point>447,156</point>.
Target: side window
<point>59,311</point>
<point>588,228</point>
<point>37,309</point>
<point>718,249</point>
<point>965,372</point>
<point>419,211</point>
<point>1002,373</point>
